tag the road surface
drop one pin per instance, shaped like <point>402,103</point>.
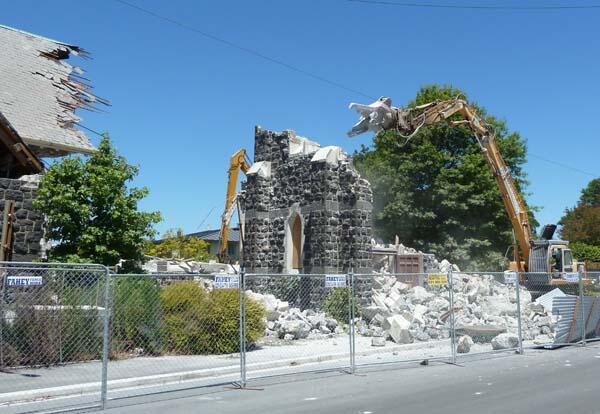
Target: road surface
<point>550,381</point>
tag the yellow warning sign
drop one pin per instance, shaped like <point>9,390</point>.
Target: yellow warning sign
<point>437,279</point>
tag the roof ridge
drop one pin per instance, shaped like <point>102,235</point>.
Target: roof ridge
<point>69,45</point>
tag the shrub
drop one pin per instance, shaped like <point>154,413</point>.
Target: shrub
<point>80,325</point>
<point>34,337</point>
<point>137,315</point>
<point>336,304</point>
<point>45,334</point>
<point>199,322</point>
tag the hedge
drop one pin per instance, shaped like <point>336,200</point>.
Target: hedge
<point>200,322</point>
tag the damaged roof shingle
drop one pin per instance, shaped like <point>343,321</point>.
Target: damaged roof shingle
<point>39,93</point>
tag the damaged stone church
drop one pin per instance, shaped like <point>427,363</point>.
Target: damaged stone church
<point>39,94</point>
<point>306,209</point>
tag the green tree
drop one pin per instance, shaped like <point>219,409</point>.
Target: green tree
<point>175,244</point>
<point>436,191</point>
<point>92,212</point>
<point>582,222</point>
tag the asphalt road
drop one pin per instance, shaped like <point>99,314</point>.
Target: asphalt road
<point>551,381</point>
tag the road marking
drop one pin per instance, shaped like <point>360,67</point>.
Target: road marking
<point>568,365</point>
<point>596,356</point>
<point>478,393</point>
<point>310,399</point>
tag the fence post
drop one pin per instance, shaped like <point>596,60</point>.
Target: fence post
<point>350,281</point>
<point>582,309</point>
<point>106,338</point>
<point>242,288</point>
<point>3,273</point>
<point>519,326</point>
<point>452,321</point>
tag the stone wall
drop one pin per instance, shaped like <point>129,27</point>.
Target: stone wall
<point>294,177</point>
<point>28,228</point>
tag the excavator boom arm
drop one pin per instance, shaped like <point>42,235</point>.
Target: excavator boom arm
<point>408,121</point>
<point>237,162</point>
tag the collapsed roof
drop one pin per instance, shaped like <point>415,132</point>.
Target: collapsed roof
<point>39,93</point>
<point>16,159</point>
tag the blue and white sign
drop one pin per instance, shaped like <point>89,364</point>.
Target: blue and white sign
<point>510,278</point>
<point>227,282</point>
<point>24,281</point>
<point>572,277</point>
<point>335,281</point>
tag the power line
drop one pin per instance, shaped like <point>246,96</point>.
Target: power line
<point>244,49</point>
<point>339,85</point>
<point>560,164</point>
<point>91,130</point>
<point>474,7</point>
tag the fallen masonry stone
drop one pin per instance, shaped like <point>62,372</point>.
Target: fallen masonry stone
<point>378,320</point>
<point>419,313</point>
<point>297,328</point>
<point>399,329</point>
<point>481,333</point>
<point>498,305</point>
<point>464,343</point>
<point>273,315</point>
<point>331,324</point>
<point>505,341</point>
<point>419,295</point>
<point>378,341</point>
<point>369,312</point>
<point>422,336</point>
<point>438,304</point>
<point>401,287</point>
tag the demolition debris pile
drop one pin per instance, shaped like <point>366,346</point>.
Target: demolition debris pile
<point>485,311</point>
<point>483,306</point>
<point>286,323</point>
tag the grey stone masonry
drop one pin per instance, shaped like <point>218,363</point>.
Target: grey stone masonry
<point>306,209</point>
<point>29,226</point>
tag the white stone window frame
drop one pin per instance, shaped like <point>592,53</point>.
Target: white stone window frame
<point>294,212</point>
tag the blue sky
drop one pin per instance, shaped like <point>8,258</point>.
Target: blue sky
<point>182,104</point>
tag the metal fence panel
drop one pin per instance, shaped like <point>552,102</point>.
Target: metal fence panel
<point>51,333</point>
<point>555,314</point>
<point>406,317</point>
<point>307,323</point>
<point>486,306</point>
<point>592,305</point>
<point>171,331</point>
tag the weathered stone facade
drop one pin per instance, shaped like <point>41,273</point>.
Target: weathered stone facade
<point>306,209</point>
<point>28,228</point>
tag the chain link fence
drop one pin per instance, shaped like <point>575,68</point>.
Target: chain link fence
<point>307,323</point>
<point>52,326</point>
<point>487,308</point>
<point>171,330</point>
<point>75,330</point>
<point>405,317</point>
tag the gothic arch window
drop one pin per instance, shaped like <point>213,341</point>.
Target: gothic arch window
<point>296,234</point>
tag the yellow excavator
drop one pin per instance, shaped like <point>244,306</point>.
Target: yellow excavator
<point>546,259</point>
<point>237,162</point>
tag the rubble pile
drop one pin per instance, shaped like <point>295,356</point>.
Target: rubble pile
<point>482,305</point>
<point>283,322</point>
<point>485,311</point>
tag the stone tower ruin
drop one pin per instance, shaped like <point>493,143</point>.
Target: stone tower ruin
<point>305,208</point>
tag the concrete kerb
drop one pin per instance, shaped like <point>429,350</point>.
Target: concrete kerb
<point>183,376</point>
